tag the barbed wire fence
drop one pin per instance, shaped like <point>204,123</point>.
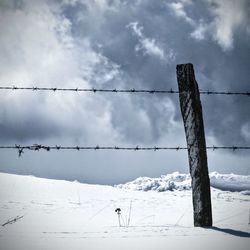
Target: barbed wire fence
<point>38,147</point>
<point>191,110</point>
<point>96,90</point>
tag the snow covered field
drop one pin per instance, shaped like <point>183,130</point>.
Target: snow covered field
<point>55,214</point>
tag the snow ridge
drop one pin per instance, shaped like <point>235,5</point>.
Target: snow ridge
<point>180,182</point>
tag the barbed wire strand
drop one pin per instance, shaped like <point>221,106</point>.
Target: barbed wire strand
<point>95,90</point>
<point>37,147</point>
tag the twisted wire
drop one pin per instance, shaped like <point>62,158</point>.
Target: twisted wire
<point>37,147</point>
<point>95,90</point>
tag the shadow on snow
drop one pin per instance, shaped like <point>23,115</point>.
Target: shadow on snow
<point>231,231</point>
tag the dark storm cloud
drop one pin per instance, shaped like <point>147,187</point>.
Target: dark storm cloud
<point>35,128</point>
<point>132,35</point>
<point>216,69</point>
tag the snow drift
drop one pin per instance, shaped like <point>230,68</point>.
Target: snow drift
<point>38,214</point>
<point>177,181</point>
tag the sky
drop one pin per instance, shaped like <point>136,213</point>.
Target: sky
<point>120,44</point>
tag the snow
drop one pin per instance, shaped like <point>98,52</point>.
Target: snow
<point>177,181</point>
<point>57,214</point>
<point>170,182</point>
<point>230,182</point>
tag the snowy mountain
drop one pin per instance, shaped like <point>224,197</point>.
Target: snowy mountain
<point>38,213</point>
<point>177,181</point>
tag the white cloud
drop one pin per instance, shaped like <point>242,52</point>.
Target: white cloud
<point>200,31</point>
<point>179,10</point>
<point>229,16</point>
<point>38,49</point>
<point>149,45</point>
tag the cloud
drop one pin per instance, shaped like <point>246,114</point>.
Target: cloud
<point>179,10</point>
<point>149,45</point>
<point>227,16</point>
<point>39,50</point>
<point>245,130</point>
<point>200,31</point>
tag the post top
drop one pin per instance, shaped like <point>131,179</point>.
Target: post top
<point>184,65</point>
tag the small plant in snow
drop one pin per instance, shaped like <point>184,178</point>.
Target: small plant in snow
<point>118,211</point>
<point>127,221</point>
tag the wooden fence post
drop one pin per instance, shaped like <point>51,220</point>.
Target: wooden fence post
<point>195,136</point>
